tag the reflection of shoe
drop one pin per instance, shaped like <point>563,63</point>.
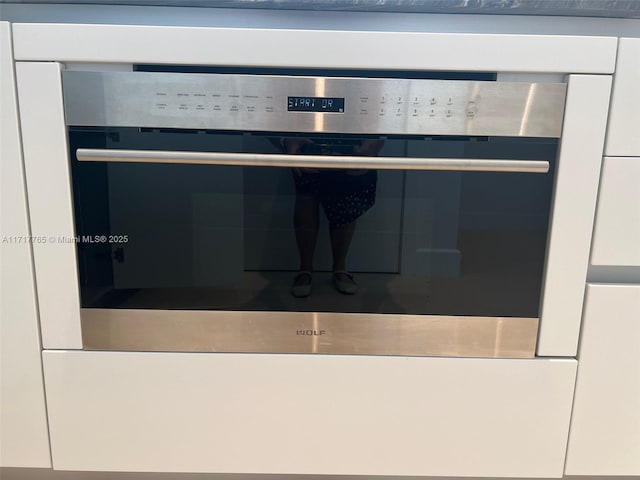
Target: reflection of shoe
<point>301,284</point>
<point>343,282</point>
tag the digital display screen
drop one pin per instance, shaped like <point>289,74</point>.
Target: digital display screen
<point>316,104</point>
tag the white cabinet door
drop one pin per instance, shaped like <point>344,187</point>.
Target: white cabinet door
<point>623,136</point>
<point>605,429</point>
<point>24,440</point>
<point>306,414</point>
<point>616,237</point>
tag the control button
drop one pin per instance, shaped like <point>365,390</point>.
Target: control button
<point>432,101</point>
<point>415,112</point>
<point>450,101</point>
<point>472,109</point>
<point>432,113</point>
<point>161,106</point>
<point>234,108</point>
<point>217,108</point>
<point>449,113</point>
<point>383,99</point>
<point>364,99</point>
<point>269,109</point>
<point>399,101</point>
<point>251,108</point>
<point>183,106</point>
<point>199,107</point>
<point>415,100</point>
<point>363,111</point>
<point>382,112</point>
<point>398,112</point>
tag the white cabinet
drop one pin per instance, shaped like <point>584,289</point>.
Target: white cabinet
<point>306,414</point>
<point>605,429</point>
<point>616,239</point>
<point>24,440</point>
<point>623,137</point>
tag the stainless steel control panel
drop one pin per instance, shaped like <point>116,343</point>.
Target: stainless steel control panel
<point>313,104</point>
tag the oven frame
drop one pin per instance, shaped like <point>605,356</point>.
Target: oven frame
<point>43,51</point>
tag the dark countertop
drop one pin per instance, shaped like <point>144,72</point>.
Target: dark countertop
<point>573,8</point>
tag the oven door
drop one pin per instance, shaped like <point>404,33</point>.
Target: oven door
<point>240,241</point>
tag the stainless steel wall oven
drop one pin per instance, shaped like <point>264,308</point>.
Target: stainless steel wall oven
<point>311,212</point>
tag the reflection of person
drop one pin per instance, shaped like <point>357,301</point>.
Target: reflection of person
<point>344,195</point>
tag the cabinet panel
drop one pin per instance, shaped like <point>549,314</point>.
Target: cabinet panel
<point>574,204</point>
<point>315,48</point>
<point>616,238</point>
<point>624,118</point>
<point>46,158</point>
<point>24,440</point>
<point>605,429</point>
<point>306,414</point>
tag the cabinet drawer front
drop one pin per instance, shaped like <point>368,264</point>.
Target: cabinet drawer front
<point>302,414</point>
<point>605,429</point>
<point>624,118</point>
<point>616,239</point>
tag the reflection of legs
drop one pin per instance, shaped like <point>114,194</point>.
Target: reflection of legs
<point>306,221</point>
<point>340,240</point>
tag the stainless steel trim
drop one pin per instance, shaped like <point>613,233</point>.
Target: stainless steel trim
<point>308,332</point>
<point>312,161</point>
<point>260,103</point>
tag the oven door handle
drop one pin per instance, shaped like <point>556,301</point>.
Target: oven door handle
<point>312,161</point>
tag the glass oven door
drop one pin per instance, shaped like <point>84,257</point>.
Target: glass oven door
<point>254,241</point>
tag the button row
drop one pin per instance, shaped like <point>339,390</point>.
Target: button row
<point>399,112</point>
<point>395,100</point>
<point>470,112</point>
<point>215,108</point>
<point>183,95</point>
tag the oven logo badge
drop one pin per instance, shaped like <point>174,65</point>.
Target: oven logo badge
<point>310,333</point>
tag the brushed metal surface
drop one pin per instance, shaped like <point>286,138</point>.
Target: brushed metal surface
<point>308,332</point>
<point>312,161</point>
<point>259,103</point>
